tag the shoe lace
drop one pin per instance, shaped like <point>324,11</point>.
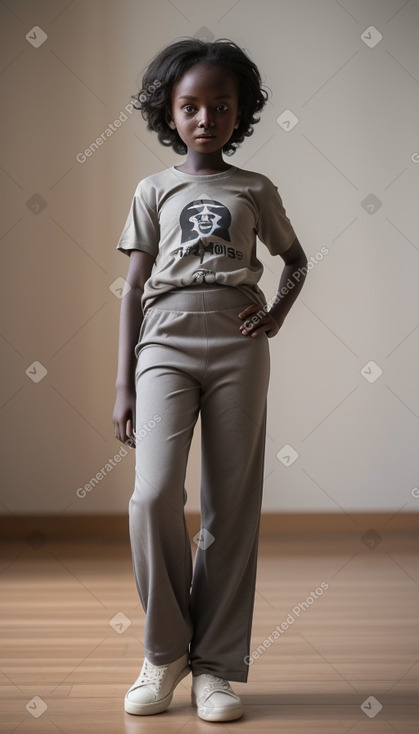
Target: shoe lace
<point>152,675</point>
<point>215,684</point>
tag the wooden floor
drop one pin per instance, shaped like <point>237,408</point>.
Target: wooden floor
<point>72,629</point>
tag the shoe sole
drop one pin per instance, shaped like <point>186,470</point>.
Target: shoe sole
<point>147,709</point>
<point>226,714</point>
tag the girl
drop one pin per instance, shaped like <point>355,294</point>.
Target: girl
<point>194,330</point>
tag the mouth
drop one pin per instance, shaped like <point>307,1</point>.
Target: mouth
<point>205,137</point>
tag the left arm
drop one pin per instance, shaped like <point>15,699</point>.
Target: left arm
<point>257,320</point>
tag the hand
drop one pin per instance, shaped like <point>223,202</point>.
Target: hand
<point>124,415</point>
<point>257,321</point>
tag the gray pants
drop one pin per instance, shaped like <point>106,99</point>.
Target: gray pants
<point>192,358</point>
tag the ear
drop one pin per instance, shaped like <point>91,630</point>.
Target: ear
<point>172,124</point>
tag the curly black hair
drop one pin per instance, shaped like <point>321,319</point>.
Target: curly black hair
<point>155,98</point>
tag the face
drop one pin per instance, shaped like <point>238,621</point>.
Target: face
<point>205,108</point>
<point>204,216</point>
<point>206,220</point>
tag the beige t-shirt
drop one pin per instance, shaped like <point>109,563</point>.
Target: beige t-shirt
<point>203,229</point>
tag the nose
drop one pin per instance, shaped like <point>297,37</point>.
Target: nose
<point>206,120</point>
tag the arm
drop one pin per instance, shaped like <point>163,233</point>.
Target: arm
<point>131,317</point>
<point>270,321</point>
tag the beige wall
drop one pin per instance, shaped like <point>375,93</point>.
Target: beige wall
<point>357,110</point>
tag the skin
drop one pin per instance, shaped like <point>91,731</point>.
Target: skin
<point>205,102</point>
<point>205,111</point>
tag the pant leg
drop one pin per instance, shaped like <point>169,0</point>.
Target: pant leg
<point>233,418</point>
<point>168,402</point>
<point>187,361</point>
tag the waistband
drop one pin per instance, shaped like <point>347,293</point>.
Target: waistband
<point>200,298</point>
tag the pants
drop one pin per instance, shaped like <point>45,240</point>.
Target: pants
<point>192,358</point>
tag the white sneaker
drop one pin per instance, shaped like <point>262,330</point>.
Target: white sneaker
<point>215,699</point>
<point>152,692</point>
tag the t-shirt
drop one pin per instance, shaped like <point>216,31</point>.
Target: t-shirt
<point>203,229</point>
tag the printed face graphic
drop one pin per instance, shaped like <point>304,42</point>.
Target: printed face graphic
<point>206,220</point>
<point>204,217</point>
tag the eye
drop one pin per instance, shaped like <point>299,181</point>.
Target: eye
<point>189,109</point>
<point>222,108</point>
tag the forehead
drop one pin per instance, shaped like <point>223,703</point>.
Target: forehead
<point>206,80</point>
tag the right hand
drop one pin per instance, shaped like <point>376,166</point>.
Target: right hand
<point>124,415</point>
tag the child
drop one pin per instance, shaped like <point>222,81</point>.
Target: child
<point>193,339</point>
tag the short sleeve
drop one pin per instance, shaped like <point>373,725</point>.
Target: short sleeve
<point>142,228</point>
<point>274,228</point>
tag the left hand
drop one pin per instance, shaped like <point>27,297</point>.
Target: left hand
<point>254,325</point>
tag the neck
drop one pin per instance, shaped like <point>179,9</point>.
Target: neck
<point>203,163</point>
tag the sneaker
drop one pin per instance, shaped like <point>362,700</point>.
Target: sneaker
<point>152,692</point>
<point>215,699</point>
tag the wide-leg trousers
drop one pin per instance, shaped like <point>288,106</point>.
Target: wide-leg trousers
<point>192,359</point>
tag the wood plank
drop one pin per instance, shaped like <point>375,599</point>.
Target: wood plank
<point>359,638</point>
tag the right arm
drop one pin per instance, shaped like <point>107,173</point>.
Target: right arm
<point>131,317</point>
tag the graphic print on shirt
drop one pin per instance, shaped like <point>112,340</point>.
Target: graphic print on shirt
<point>201,220</point>
<point>204,217</point>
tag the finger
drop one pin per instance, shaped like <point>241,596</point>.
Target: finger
<point>127,433</point>
<point>247,327</point>
<point>254,330</point>
<point>266,326</point>
<point>130,442</point>
<point>248,311</point>
<point>250,325</point>
<point>121,434</point>
<point>129,429</point>
<point>258,330</point>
